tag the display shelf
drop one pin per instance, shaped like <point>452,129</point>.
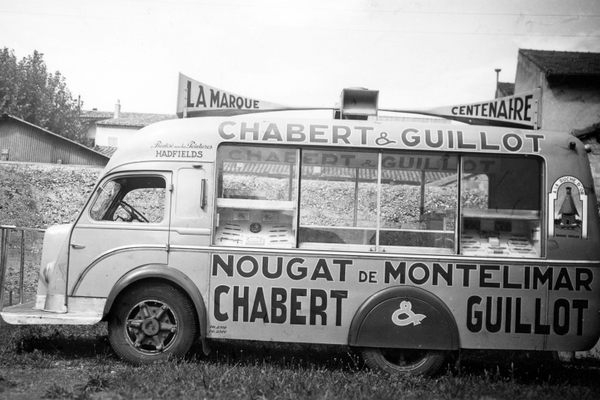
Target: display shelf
<point>492,244</point>
<point>249,204</point>
<point>499,213</point>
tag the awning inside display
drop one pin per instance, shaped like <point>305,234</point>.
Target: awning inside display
<point>396,176</point>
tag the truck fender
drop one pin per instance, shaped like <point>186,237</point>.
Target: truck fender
<point>404,317</point>
<point>163,272</point>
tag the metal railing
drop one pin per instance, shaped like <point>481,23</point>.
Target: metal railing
<point>15,245</point>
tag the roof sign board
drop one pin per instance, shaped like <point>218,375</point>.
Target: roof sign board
<point>520,110</point>
<point>523,110</point>
<point>197,99</point>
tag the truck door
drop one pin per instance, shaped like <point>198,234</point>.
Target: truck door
<point>191,212</point>
<point>124,226</point>
<point>191,222</point>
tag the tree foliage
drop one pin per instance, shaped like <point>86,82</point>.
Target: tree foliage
<point>28,91</point>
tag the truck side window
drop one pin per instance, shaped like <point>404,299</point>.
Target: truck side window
<point>344,193</point>
<point>338,198</point>
<point>501,206</point>
<point>256,202</point>
<point>130,199</point>
<point>419,198</point>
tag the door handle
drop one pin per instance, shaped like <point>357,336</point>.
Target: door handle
<point>203,194</point>
<point>77,246</point>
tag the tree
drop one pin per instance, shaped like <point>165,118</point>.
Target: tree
<point>8,81</point>
<point>29,92</point>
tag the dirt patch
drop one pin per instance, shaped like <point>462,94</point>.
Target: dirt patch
<point>37,196</point>
<point>40,195</point>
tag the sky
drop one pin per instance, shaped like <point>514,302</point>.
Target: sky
<point>417,53</point>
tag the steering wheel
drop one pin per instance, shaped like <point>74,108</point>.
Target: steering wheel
<point>133,213</point>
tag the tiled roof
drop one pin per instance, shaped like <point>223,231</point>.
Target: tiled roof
<point>564,63</point>
<point>136,120</point>
<point>108,151</point>
<point>127,119</point>
<point>95,114</point>
<point>506,88</point>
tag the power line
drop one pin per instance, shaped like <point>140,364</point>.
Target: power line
<point>286,6</point>
<point>390,11</point>
<point>501,14</point>
<point>388,31</point>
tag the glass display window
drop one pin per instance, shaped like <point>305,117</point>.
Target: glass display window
<point>338,199</point>
<point>363,200</point>
<point>501,206</point>
<point>256,196</point>
<point>419,198</point>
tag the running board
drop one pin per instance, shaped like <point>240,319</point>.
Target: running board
<point>25,314</point>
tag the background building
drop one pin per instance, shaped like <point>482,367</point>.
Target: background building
<point>26,142</point>
<point>570,83</point>
<point>108,129</point>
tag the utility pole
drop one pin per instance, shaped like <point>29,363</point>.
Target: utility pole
<point>497,81</point>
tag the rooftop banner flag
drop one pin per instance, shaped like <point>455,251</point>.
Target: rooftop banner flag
<point>199,99</point>
<point>520,110</point>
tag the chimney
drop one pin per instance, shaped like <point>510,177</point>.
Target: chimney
<point>117,109</point>
<point>497,82</point>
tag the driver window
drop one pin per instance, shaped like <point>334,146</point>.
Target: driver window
<point>138,199</point>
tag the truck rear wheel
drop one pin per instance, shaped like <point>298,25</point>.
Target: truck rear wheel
<point>150,323</point>
<point>404,361</point>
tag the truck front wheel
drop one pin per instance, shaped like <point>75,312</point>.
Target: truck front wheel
<point>404,361</point>
<point>150,323</point>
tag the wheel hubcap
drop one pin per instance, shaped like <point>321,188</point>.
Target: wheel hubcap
<point>151,327</point>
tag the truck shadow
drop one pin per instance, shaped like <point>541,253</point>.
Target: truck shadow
<point>61,342</point>
<point>516,366</point>
<point>528,367</point>
<point>91,343</point>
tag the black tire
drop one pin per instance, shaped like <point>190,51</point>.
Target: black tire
<point>152,323</point>
<point>404,361</point>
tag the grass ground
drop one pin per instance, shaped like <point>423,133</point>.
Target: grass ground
<point>77,363</point>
